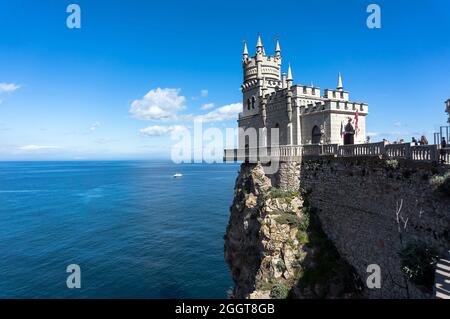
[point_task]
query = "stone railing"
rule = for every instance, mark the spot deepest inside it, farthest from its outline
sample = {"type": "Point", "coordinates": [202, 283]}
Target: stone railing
{"type": "Point", "coordinates": [398, 150]}
{"type": "Point", "coordinates": [427, 153]}
{"type": "Point", "coordinates": [444, 155]}
{"type": "Point", "coordinates": [312, 150]}
{"type": "Point", "coordinates": [286, 153]}
{"type": "Point", "coordinates": [361, 149]}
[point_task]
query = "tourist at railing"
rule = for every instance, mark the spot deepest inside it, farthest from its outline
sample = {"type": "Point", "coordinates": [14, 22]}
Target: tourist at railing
{"type": "Point", "coordinates": [414, 141]}
{"type": "Point", "coordinates": [423, 140]}
{"type": "Point", "coordinates": [443, 150]}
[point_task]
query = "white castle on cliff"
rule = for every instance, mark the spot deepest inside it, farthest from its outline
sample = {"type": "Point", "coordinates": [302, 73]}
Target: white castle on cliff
{"type": "Point", "coordinates": [300, 112]}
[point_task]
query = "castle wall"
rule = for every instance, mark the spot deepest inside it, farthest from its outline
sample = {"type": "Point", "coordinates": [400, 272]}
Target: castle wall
{"type": "Point", "coordinates": [277, 116]}
{"type": "Point", "coordinates": [254, 121]}
{"type": "Point", "coordinates": [309, 121]}
{"type": "Point", "coordinates": [335, 133]}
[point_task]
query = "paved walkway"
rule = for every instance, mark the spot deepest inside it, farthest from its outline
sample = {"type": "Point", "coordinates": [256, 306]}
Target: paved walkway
{"type": "Point", "coordinates": [442, 278]}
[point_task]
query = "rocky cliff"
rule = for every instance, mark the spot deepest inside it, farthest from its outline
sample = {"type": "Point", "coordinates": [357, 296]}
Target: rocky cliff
{"type": "Point", "coordinates": [314, 229]}
{"type": "Point", "coordinates": [275, 247]}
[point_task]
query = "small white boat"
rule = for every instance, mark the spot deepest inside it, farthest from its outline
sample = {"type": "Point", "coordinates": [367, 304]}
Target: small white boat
{"type": "Point", "coordinates": [176, 175]}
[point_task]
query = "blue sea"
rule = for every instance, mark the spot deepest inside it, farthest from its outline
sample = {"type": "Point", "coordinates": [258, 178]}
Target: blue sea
{"type": "Point", "coordinates": [134, 230]}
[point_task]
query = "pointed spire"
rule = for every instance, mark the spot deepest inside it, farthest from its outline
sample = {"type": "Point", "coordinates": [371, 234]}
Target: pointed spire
{"type": "Point", "coordinates": [289, 74]}
{"type": "Point", "coordinates": [245, 53]}
{"type": "Point", "coordinates": [340, 87]}
{"type": "Point", "coordinates": [259, 42]}
{"type": "Point", "coordinates": [277, 48]}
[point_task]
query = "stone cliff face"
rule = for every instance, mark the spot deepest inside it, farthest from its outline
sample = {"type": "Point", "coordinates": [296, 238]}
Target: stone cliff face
{"type": "Point", "coordinates": [376, 210]}
{"type": "Point", "coordinates": [273, 245]}
{"type": "Point", "coordinates": [312, 229]}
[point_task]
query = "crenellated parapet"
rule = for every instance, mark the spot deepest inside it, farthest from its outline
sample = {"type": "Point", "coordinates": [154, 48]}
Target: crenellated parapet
{"type": "Point", "coordinates": [261, 65]}
{"type": "Point", "coordinates": [306, 91]}
{"type": "Point", "coordinates": [339, 106]}
{"type": "Point", "coordinates": [336, 94]}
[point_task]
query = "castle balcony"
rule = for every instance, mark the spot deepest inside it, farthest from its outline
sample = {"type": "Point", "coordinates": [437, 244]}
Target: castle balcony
{"type": "Point", "coordinates": [295, 153]}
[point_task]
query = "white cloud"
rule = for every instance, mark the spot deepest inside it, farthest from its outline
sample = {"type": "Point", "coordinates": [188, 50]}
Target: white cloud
{"type": "Point", "coordinates": [94, 126]}
{"type": "Point", "coordinates": [398, 124]}
{"type": "Point", "coordinates": [8, 87]}
{"type": "Point", "coordinates": [158, 130]}
{"type": "Point", "coordinates": [204, 93]}
{"type": "Point", "coordinates": [33, 147]}
{"type": "Point", "coordinates": [207, 106]}
{"type": "Point", "coordinates": [224, 113]}
{"type": "Point", "coordinates": [158, 104]}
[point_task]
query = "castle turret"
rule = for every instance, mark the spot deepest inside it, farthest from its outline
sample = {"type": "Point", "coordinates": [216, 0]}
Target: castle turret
{"type": "Point", "coordinates": [259, 45]}
{"type": "Point", "coordinates": [261, 66]}
{"type": "Point", "coordinates": [259, 57]}
{"type": "Point", "coordinates": [283, 81]}
{"type": "Point", "coordinates": [264, 103]}
{"type": "Point", "coordinates": [277, 49]}
{"type": "Point", "coordinates": [289, 77]}
{"type": "Point", "coordinates": [245, 53]}
{"type": "Point", "coordinates": [340, 87]}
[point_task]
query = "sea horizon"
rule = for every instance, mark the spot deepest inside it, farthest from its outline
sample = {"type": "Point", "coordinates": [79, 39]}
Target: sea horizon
{"type": "Point", "coordinates": [135, 231]}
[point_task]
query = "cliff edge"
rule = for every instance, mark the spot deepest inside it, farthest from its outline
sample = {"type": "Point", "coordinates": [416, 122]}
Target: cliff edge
{"type": "Point", "coordinates": [275, 247]}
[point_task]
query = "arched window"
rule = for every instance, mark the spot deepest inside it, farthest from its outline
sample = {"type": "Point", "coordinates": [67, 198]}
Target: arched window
{"type": "Point", "coordinates": [316, 135]}
{"type": "Point", "coordinates": [349, 137]}
{"type": "Point", "coordinates": [253, 102]}
{"type": "Point", "coordinates": [248, 104]}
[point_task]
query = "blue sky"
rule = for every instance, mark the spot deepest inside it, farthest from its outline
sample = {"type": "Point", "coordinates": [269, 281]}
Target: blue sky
{"type": "Point", "coordinates": [69, 94]}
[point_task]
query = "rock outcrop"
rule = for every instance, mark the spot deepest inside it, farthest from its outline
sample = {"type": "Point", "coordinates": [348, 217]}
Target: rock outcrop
{"type": "Point", "coordinates": [275, 248]}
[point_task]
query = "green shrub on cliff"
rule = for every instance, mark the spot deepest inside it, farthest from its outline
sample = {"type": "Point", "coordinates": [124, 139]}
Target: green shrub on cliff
{"type": "Point", "coordinates": [279, 291]}
{"type": "Point", "coordinates": [275, 192]}
{"type": "Point", "coordinates": [304, 223]}
{"type": "Point", "coordinates": [291, 220]}
{"type": "Point", "coordinates": [281, 266]}
{"type": "Point", "coordinates": [418, 263]}
{"type": "Point", "coordinates": [264, 286]}
{"type": "Point", "coordinates": [392, 164]}
{"type": "Point", "coordinates": [302, 237]}
{"type": "Point", "coordinates": [441, 183]}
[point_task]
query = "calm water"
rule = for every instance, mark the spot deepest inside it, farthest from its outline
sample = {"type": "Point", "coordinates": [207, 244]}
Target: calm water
{"type": "Point", "coordinates": [134, 230]}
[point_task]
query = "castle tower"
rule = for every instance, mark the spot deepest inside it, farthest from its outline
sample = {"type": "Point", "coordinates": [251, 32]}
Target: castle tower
{"type": "Point", "coordinates": [262, 75]}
